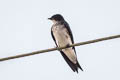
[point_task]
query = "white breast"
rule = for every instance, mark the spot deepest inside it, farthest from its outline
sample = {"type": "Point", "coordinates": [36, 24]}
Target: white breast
{"type": "Point", "coordinates": [61, 35]}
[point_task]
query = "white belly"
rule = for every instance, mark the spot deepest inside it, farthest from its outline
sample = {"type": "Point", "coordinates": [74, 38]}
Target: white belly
{"type": "Point", "coordinates": [62, 39]}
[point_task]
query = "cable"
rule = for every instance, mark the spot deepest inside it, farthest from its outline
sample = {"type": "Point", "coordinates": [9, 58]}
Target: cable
{"type": "Point", "coordinates": [53, 49]}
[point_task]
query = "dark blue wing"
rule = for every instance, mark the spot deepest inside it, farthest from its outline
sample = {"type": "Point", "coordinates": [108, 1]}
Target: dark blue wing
{"type": "Point", "coordinates": [70, 33]}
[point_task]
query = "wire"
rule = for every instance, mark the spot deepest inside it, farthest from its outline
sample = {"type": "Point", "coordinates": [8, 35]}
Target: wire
{"type": "Point", "coordinates": [53, 49]}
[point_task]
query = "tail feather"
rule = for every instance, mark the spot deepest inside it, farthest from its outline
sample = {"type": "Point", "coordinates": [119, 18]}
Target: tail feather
{"type": "Point", "coordinates": [73, 66]}
{"type": "Point", "coordinates": [79, 66]}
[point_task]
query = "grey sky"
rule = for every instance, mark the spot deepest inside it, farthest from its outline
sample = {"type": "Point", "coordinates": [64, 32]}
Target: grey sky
{"type": "Point", "coordinates": [24, 28]}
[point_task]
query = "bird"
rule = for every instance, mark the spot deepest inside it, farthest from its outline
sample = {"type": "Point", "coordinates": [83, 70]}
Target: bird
{"type": "Point", "coordinates": [62, 36]}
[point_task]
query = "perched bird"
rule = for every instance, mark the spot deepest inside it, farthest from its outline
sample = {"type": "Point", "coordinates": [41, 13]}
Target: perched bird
{"type": "Point", "coordinates": [62, 35]}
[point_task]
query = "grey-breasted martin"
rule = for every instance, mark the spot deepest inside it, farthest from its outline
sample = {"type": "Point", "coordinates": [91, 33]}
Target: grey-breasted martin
{"type": "Point", "coordinates": [62, 35]}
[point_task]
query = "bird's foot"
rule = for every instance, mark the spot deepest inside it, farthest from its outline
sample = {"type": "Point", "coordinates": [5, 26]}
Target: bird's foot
{"type": "Point", "coordinates": [68, 45]}
{"type": "Point", "coordinates": [58, 49]}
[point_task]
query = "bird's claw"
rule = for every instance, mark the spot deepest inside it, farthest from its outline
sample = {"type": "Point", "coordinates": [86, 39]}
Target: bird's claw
{"type": "Point", "coordinates": [67, 46]}
{"type": "Point", "coordinates": [58, 48]}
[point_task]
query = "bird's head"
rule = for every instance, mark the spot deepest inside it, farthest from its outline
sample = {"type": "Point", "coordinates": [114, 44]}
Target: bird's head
{"type": "Point", "coordinates": [56, 17]}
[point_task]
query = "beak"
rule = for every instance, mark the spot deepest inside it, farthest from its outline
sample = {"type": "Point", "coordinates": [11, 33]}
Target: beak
{"type": "Point", "coordinates": [49, 18]}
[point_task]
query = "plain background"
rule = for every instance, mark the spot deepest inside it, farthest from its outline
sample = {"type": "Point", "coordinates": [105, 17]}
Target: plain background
{"type": "Point", "coordinates": [24, 28]}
